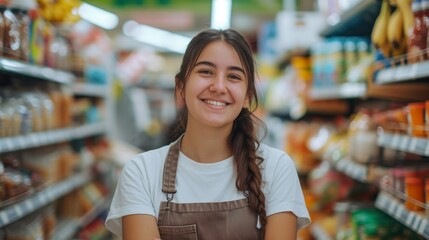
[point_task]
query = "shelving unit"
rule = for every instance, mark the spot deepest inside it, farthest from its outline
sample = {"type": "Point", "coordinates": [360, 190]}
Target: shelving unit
{"type": "Point", "coordinates": [38, 139]}
{"type": "Point", "coordinates": [16, 211]}
{"type": "Point", "coordinates": [415, 221]}
{"type": "Point", "coordinates": [404, 143]}
{"type": "Point", "coordinates": [352, 169]}
{"type": "Point", "coordinates": [343, 91]}
{"type": "Point", "coordinates": [17, 68]}
{"type": "Point", "coordinates": [89, 90]}
{"type": "Point", "coordinates": [19, 207]}
{"type": "Point", "coordinates": [405, 73]}
{"type": "Point", "coordinates": [404, 83]}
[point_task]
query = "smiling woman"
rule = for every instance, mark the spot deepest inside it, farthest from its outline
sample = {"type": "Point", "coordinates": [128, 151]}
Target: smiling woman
{"type": "Point", "coordinates": [216, 181]}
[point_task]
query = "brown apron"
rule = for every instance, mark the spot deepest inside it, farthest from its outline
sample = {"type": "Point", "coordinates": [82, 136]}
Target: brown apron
{"type": "Point", "coordinates": [202, 221]}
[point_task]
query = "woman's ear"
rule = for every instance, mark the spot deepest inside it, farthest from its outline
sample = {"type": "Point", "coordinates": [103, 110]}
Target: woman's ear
{"type": "Point", "coordinates": [246, 103]}
{"type": "Point", "coordinates": [180, 97]}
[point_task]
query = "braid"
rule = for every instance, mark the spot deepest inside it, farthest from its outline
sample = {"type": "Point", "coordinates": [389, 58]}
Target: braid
{"type": "Point", "coordinates": [249, 178]}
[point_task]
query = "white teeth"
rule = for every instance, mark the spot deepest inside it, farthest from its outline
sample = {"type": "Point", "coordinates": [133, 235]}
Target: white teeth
{"type": "Point", "coordinates": [216, 103]}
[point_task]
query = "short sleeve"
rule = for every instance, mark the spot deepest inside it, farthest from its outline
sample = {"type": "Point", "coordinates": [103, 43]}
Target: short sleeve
{"type": "Point", "coordinates": [284, 193]}
{"type": "Point", "coordinates": [131, 196]}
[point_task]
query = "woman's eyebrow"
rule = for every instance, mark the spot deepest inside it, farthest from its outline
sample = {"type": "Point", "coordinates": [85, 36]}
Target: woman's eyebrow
{"type": "Point", "coordinates": [214, 65]}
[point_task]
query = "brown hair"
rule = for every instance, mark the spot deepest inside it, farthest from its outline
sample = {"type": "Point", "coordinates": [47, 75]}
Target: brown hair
{"type": "Point", "coordinates": [243, 139]}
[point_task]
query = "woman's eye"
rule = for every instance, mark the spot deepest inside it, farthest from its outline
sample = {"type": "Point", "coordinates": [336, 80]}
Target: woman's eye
{"type": "Point", "coordinates": [205, 72]}
{"type": "Point", "coordinates": [234, 77]}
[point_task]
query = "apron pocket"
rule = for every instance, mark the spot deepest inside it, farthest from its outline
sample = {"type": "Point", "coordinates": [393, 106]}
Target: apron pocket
{"type": "Point", "coordinates": [183, 232]}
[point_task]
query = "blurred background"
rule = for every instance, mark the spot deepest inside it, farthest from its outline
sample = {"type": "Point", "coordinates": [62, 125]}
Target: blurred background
{"type": "Point", "coordinates": [343, 84]}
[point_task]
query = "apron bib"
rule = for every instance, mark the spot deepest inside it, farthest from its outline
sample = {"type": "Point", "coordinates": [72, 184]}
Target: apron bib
{"type": "Point", "coordinates": [202, 221]}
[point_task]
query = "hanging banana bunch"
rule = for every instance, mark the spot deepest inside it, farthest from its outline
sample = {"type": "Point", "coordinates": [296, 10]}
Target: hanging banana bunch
{"type": "Point", "coordinates": [379, 32]}
{"type": "Point", "coordinates": [59, 11]}
{"type": "Point", "coordinates": [396, 34]}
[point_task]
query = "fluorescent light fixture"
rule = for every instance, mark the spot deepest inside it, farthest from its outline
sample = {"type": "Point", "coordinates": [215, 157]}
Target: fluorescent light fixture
{"type": "Point", "coordinates": [156, 37]}
{"type": "Point", "coordinates": [98, 16]}
{"type": "Point", "coordinates": [221, 14]}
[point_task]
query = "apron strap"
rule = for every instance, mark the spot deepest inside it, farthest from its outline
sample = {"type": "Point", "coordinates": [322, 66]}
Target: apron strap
{"type": "Point", "coordinates": [170, 168]}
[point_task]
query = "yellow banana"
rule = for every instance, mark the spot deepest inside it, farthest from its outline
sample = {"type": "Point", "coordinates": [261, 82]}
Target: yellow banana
{"type": "Point", "coordinates": [407, 14]}
{"type": "Point", "coordinates": [379, 31]}
{"type": "Point", "coordinates": [395, 31]}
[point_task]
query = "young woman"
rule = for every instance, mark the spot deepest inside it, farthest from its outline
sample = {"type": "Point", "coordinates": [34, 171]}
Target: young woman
{"type": "Point", "coordinates": [216, 181]}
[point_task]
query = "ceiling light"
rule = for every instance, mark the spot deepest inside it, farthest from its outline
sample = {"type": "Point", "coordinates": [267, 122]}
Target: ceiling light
{"type": "Point", "coordinates": [98, 16]}
{"type": "Point", "coordinates": [156, 37]}
{"type": "Point", "coordinates": [221, 14]}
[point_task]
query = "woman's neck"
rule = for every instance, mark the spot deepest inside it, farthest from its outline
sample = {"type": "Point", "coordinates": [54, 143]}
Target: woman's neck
{"type": "Point", "coordinates": [206, 146]}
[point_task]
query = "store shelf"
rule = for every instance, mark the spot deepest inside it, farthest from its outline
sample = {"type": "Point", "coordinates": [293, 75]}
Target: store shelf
{"type": "Point", "coordinates": [403, 73]}
{"type": "Point", "coordinates": [16, 211]}
{"type": "Point", "coordinates": [343, 91]}
{"type": "Point", "coordinates": [404, 143]}
{"type": "Point", "coordinates": [357, 21]}
{"type": "Point", "coordinates": [40, 72]}
{"type": "Point", "coordinates": [352, 169]}
{"type": "Point", "coordinates": [67, 228]}
{"type": "Point", "coordinates": [90, 90]}
{"type": "Point", "coordinates": [38, 139]}
{"type": "Point", "coordinates": [413, 220]}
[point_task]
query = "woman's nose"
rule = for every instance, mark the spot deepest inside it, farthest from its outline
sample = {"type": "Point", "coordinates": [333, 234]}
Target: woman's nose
{"type": "Point", "coordinates": [219, 84]}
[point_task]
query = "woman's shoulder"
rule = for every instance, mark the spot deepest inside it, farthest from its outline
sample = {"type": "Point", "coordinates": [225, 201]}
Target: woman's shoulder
{"type": "Point", "coordinates": [274, 158]}
{"type": "Point", "coordinates": [271, 153]}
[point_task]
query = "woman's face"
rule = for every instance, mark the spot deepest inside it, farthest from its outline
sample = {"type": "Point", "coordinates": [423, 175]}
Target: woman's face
{"type": "Point", "coordinates": [215, 91]}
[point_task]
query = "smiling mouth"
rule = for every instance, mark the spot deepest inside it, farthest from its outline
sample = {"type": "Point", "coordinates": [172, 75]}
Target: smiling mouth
{"type": "Point", "coordinates": [215, 103]}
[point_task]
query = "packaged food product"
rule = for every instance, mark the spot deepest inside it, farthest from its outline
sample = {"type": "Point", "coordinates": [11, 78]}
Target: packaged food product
{"type": "Point", "coordinates": [427, 118]}
{"type": "Point", "coordinates": [362, 138]}
{"type": "Point", "coordinates": [12, 42]}
{"type": "Point", "coordinates": [417, 37]}
{"type": "Point", "coordinates": [416, 119]}
{"type": "Point", "coordinates": [414, 189]}
{"type": "Point", "coordinates": [24, 20]}
{"type": "Point", "coordinates": [2, 28]}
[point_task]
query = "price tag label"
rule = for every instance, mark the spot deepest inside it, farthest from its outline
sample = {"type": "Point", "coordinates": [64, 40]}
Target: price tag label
{"type": "Point", "coordinates": [424, 228]}
{"type": "Point", "coordinates": [42, 198]}
{"type": "Point", "coordinates": [29, 204]}
{"type": "Point", "coordinates": [4, 218]}
{"type": "Point", "coordinates": [411, 218]}
{"type": "Point", "coordinates": [427, 150]}
{"type": "Point", "coordinates": [392, 207]}
{"type": "Point", "coordinates": [12, 214]}
{"type": "Point", "coordinates": [50, 194]}
{"type": "Point", "coordinates": [8, 145]}
{"type": "Point", "coordinates": [395, 141]}
{"type": "Point", "coordinates": [416, 224]}
{"type": "Point", "coordinates": [421, 145]}
{"type": "Point", "coordinates": [404, 143]}
{"type": "Point", "coordinates": [412, 145]}
{"type": "Point", "coordinates": [18, 210]}
{"type": "Point", "coordinates": [34, 140]}
{"type": "Point", "coordinates": [21, 142]}
{"type": "Point", "coordinates": [402, 214]}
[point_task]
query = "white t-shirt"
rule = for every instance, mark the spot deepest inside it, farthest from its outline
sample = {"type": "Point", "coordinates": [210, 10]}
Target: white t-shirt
{"type": "Point", "coordinates": [139, 189]}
